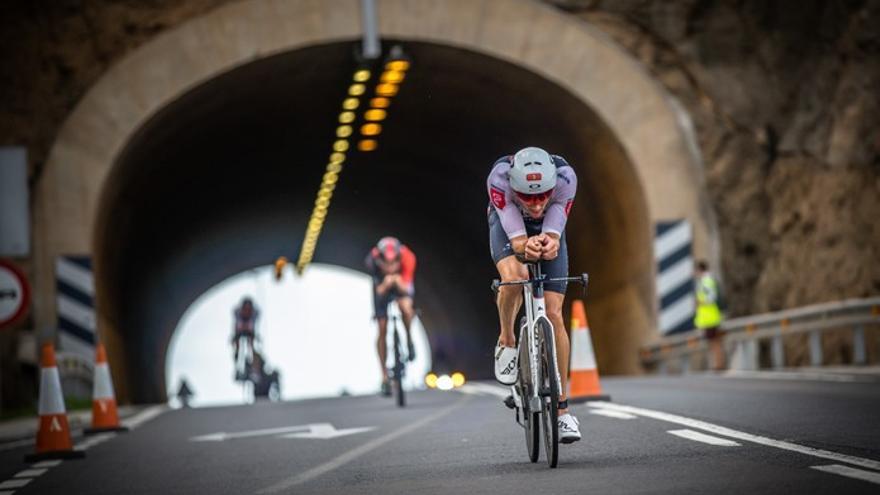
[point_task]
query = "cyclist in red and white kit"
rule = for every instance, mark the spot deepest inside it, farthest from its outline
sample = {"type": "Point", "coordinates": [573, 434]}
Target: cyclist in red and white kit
{"type": "Point", "coordinates": [393, 267]}
{"type": "Point", "coordinates": [530, 195]}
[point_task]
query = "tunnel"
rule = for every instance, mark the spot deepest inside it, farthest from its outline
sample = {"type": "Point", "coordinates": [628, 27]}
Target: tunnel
{"type": "Point", "coordinates": [223, 179]}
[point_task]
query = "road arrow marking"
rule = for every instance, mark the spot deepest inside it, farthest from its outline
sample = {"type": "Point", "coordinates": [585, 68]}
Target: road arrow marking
{"type": "Point", "coordinates": [326, 430]}
{"type": "Point", "coordinates": [317, 430]}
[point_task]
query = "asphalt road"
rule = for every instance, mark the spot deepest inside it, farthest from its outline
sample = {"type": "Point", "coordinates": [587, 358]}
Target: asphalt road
{"type": "Point", "coordinates": [696, 434]}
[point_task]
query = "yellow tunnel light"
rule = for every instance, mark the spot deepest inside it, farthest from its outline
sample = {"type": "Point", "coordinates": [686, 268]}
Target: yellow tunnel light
{"type": "Point", "coordinates": [361, 75]}
{"type": "Point", "coordinates": [386, 89]}
{"type": "Point", "coordinates": [431, 380]}
{"type": "Point", "coordinates": [392, 76]}
{"type": "Point", "coordinates": [337, 158]}
{"type": "Point", "coordinates": [356, 89]}
{"type": "Point", "coordinates": [343, 131]}
{"type": "Point", "coordinates": [371, 129]}
{"type": "Point", "coordinates": [458, 379]}
{"type": "Point", "coordinates": [350, 103]}
{"type": "Point", "coordinates": [346, 117]}
{"type": "Point", "coordinates": [374, 114]}
{"type": "Point", "coordinates": [340, 145]}
{"type": "Point", "coordinates": [368, 145]}
{"type": "Point", "coordinates": [331, 178]}
{"type": "Point", "coordinates": [380, 102]}
{"type": "Point", "coordinates": [334, 167]}
{"type": "Point", "coordinates": [397, 65]}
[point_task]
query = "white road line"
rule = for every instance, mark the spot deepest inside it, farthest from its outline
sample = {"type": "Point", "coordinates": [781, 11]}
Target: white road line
{"type": "Point", "coordinates": [739, 435]}
{"type": "Point", "coordinates": [702, 437]}
{"type": "Point", "coordinates": [850, 472]}
{"type": "Point", "coordinates": [30, 473]}
{"type": "Point", "coordinates": [798, 375]}
{"type": "Point", "coordinates": [359, 451]}
{"type": "Point", "coordinates": [145, 415]}
{"type": "Point", "coordinates": [484, 388]}
{"type": "Point", "coordinates": [16, 444]}
{"type": "Point", "coordinates": [94, 440]}
{"type": "Point", "coordinates": [15, 483]}
{"type": "Point", "coordinates": [7, 492]}
{"type": "Point", "coordinates": [47, 464]}
{"type": "Point", "coordinates": [612, 414]}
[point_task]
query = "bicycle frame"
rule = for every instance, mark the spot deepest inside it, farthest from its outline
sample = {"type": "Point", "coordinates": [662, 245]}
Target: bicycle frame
{"type": "Point", "coordinates": [535, 309]}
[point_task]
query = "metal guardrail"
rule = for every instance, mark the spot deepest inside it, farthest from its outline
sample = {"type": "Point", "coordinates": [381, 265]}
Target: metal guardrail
{"type": "Point", "coordinates": [742, 335]}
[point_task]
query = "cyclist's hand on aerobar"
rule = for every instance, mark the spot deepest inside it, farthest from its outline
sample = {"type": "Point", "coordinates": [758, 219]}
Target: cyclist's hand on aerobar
{"type": "Point", "coordinates": [549, 246]}
{"type": "Point", "coordinates": [533, 248]}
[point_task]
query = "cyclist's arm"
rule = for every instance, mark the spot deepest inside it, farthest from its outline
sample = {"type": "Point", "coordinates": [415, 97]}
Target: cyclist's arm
{"type": "Point", "coordinates": [560, 206]}
{"type": "Point", "coordinates": [501, 199]}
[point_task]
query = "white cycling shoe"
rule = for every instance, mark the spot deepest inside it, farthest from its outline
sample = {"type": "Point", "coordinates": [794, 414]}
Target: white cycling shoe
{"type": "Point", "coordinates": [505, 364]}
{"type": "Point", "coordinates": [568, 428]}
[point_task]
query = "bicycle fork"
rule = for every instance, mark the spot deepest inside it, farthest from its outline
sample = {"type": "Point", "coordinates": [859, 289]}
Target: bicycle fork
{"type": "Point", "coordinates": [534, 309]}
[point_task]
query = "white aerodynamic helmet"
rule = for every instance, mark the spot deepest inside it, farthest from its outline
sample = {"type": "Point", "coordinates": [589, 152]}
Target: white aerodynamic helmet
{"type": "Point", "coordinates": [532, 171]}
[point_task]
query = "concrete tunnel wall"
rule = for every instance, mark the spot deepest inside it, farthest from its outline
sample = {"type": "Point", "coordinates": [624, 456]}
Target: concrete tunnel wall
{"type": "Point", "coordinates": [219, 176]}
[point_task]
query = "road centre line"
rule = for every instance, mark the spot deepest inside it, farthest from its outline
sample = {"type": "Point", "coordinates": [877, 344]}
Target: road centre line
{"type": "Point", "coordinates": [739, 435]}
{"type": "Point", "coordinates": [702, 437]}
{"type": "Point", "coordinates": [850, 472]}
{"type": "Point", "coordinates": [360, 450]}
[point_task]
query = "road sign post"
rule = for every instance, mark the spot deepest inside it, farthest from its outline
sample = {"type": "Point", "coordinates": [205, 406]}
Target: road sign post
{"type": "Point", "coordinates": [15, 294]}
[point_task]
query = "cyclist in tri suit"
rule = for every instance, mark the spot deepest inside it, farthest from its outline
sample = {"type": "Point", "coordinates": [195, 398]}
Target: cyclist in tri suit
{"type": "Point", "coordinates": [245, 323]}
{"type": "Point", "coordinates": [393, 267]}
{"type": "Point", "coordinates": [530, 196]}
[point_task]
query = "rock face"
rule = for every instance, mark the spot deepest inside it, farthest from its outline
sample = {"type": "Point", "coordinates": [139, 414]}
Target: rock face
{"type": "Point", "coordinates": [785, 97]}
{"type": "Point", "coordinates": [786, 100]}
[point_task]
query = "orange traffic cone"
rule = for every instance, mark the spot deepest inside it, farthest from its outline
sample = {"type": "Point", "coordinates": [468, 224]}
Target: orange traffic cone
{"type": "Point", "coordinates": [53, 436]}
{"type": "Point", "coordinates": [584, 377]}
{"type": "Point", "coordinates": [105, 417]}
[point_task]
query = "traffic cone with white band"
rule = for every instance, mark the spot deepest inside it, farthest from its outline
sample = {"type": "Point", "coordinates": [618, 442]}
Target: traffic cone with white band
{"type": "Point", "coordinates": [105, 416]}
{"type": "Point", "coordinates": [584, 377]}
{"type": "Point", "coordinates": [53, 436]}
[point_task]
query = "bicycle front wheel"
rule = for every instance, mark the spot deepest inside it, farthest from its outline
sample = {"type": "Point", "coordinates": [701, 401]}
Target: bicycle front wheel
{"type": "Point", "coordinates": [549, 392]}
{"type": "Point", "coordinates": [531, 421]}
{"type": "Point", "coordinates": [397, 380]}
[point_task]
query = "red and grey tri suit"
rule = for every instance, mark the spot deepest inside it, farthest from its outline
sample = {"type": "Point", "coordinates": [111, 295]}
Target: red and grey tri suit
{"type": "Point", "coordinates": [407, 276]}
{"type": "Point", "coordinates": [507, 219]}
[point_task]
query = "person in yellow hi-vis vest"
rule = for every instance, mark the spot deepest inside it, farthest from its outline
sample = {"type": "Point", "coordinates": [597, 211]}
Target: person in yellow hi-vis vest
{"type": "Point", "coordinates": [708, 317]}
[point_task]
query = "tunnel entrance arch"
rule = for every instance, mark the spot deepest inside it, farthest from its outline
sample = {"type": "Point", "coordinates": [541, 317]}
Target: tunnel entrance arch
{"type": "Point", "coordinates": [634, 155]}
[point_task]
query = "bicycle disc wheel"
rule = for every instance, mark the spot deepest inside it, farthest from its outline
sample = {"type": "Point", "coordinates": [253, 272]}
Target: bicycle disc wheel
{"type": "Point", "coordinates": [549, 394]}
{"type": "Point", "coordinates": [530, 419]}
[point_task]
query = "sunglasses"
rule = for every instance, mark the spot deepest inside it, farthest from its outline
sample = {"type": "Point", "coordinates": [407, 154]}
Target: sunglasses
{"type": "Point", "coordinates": [534, 198]}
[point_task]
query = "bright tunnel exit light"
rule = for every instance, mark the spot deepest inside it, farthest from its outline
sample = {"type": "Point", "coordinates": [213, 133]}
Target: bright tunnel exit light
{"type": "Point", "coordinates": [444, 382]}
{"type": "Point", "coordinates": [294, 317]}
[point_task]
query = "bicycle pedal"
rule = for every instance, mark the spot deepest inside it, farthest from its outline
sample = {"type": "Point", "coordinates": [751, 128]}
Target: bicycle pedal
{"type": "Point", "coordinates": [510, 402]}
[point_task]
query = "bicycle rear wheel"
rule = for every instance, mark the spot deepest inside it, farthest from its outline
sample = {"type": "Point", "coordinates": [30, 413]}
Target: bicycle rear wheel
{"type": "Point", "coordinates": [531, 421]}
{"type": "Point", "coordinates": [549, 393]}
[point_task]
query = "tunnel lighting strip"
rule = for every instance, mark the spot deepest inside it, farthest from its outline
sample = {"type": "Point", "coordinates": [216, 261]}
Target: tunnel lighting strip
{"type": "Point", "coordinates": [334, 166]}
{"type": "Point", "coordinates": [387, 87]}
{"type": "Point", "coordinates": [389, 84]}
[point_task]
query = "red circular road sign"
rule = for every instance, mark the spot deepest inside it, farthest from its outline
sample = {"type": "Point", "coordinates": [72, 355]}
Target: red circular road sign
{"type": "Point", "coordinates": [15, 294]}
